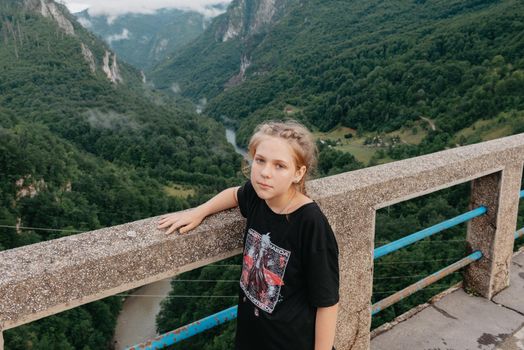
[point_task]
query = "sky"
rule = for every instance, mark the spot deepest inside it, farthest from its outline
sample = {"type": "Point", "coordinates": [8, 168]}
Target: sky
{"type": "Point", "coordinates": [114, 8]}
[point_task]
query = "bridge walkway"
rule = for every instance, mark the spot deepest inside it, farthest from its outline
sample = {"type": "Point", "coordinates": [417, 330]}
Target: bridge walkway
{"type": "Point", "coordinates": [456, 320]}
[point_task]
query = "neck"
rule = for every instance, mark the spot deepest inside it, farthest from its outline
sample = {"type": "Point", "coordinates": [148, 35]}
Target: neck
{"type": "Point", "coordinates": [282, 204]}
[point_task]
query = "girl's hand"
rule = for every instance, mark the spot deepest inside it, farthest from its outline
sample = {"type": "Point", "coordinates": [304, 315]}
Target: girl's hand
{"type": "Point", "coordinates": [189, 219]}
{"type": "Point", "coordinates": [182, 220]}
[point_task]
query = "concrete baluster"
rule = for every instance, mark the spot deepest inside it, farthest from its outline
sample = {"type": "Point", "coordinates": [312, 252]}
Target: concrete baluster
{"type": "Point", "coordinates": [354, 227]}
{"type": "Point", "coordinates": [493, 233]}
{"type": "Point", "coordinates": [1, 340]}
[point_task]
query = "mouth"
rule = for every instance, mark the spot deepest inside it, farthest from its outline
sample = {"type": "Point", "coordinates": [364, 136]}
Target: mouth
{"type": "Point", "coordinates": [263, 185]}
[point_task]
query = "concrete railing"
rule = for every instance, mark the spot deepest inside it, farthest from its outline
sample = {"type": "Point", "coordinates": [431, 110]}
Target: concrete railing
{"type": "Point", "coordinates": [53, 276]}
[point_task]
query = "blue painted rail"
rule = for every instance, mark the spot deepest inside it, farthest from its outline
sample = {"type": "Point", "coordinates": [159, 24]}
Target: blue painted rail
{"type": "Point", "coordinates": [199, 326]}
{"type": "Point", "coordinates": [520, 233]}
{"type": "Point", "coordinates": [417, 236]}
{"type": "Point", "coordinates": [423, 283]}
{"type": "Point", "coordinates": [187, 331]}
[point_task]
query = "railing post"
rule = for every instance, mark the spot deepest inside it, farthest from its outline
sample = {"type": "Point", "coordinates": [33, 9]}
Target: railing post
{"type": "Point", "coordinates": [354, 226]}
{"type": "Point", "coordinates": [1, 340]}
{"type": "Point", "coordinates": [493, 233]}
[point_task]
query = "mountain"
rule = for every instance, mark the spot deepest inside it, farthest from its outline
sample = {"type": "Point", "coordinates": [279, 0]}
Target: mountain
{"type": "Point", "coordinates": [84, 144]}
{"type": "Point", "coordinates": [370, 66]}
{"type": "Point", "coordinates": [144, 40]}
{"type": "Point", "coordinates": [78, 88]}
{"type": "Point", "coordinates": [221, 55]}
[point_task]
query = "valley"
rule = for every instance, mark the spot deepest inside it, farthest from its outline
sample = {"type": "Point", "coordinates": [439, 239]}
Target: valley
{"type": "Point", "coordinates": [106, 120]}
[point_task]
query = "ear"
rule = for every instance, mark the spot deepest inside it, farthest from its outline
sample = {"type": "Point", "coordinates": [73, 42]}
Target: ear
{"type": "Point", "coordinates": [299, 174]}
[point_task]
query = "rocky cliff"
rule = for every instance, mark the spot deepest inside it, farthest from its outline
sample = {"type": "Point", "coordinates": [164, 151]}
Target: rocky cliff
{"type": "Point", "coordinates": [67, 23]}
{"type": "Point", "coordinates": [248, 17]}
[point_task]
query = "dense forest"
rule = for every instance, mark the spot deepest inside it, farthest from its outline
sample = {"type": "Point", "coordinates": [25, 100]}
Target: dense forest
{"type": "Point", "coordinates": [121, 123]}
{"type": "Point", "coordinates": [370, 66]}
{"type": "Point", "coordinates": [79, 152]}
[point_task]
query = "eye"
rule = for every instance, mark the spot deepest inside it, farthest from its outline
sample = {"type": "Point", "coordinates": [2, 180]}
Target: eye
{"type": "Point", "coordinates": [259, 160]}
{"type": "Point", "coordinates": [280, 166]}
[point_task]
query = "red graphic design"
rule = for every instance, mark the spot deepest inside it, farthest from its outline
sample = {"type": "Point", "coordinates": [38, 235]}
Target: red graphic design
{"type": "Point", "coordinates": [263, 269]}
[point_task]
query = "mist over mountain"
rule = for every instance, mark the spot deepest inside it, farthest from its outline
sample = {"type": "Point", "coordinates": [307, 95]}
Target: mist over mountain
{"type": "Point", "coordinates": [220, 56]}
{"type": "Point", "coordinates": [144, 40]}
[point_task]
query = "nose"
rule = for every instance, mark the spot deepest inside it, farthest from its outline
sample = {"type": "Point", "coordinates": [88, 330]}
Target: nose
{"type": "Point", "coordinates": [265, 171]}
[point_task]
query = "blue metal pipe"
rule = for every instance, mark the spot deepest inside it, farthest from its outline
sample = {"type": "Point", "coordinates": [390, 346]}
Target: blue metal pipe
{"type": "Point", "coordinates": [187, 331]}
{"type": "Point", "coordinates": [417, 236]}
{"type": "Point", "coordinates": [519, 233]}
{"type": "Point", "coordinates": [423, 283]}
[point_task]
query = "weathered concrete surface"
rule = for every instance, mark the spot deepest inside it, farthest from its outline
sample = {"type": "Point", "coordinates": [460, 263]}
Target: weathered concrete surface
{"type": "Point", "coordinates": [493, 233]}
{"type": "Point", "coordinates": [460, 321]}
{"type": "Point", "coordinates": [514, 342]}
{"type": "Point", "coordinates": [514, 297]}
{"type": "Point", "coordinates": [45, 278]}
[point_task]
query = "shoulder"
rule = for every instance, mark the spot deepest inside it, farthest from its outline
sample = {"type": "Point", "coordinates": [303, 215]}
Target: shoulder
{"type": "Point", "coordinates": [246, 185]}
{"type": "Point", "coordinates": [311, 213]}
{"type": "Point", "coordinates": [247, 198]}
{"type": "Point", "coordinates": [313, 222]}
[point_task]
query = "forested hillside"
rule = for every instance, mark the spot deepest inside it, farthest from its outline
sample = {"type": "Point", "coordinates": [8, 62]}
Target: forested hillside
{"type": "Point", "coordinates": [46, 79]}
{"type": "Point", "coordinates": [84, 145]}
{"type": "Point", "coordinates": [220, 56]}
{"type": "Point", "coordinates": [367, 65]}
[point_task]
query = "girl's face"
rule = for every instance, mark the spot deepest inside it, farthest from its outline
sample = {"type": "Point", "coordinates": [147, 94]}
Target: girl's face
{"type": "Point", "coordinates": [274, 171]}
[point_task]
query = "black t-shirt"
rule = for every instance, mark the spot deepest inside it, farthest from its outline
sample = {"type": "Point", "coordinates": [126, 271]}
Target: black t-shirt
{"type": "Point", "coordinates": [290, 267]}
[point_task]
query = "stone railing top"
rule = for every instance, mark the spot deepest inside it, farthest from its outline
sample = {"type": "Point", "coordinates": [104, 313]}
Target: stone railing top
{"type": "Point", "coordinates": [44, 278]}
{"type": "Point", "coordinates": [389, 183]}
{"type": "Point", "coordinates": [49, 277]}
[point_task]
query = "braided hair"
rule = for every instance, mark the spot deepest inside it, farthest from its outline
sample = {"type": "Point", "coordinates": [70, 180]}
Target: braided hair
{"type": "Point", "coordinates": [299, 138]}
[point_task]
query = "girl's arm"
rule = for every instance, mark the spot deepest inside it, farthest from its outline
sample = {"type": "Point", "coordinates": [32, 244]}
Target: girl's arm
{"type": "Point", "coordinates": [325, 325]}
{"type": "Point", "coordinates": [189, 219]}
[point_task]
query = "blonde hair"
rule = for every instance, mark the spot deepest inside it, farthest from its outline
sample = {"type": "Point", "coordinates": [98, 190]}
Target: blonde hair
{"type": "Point", "coordinates": [299, 138]}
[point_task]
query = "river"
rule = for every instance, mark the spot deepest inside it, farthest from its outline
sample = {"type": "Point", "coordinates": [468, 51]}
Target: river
{"type": "Point", "coordinates": [136, 322]}
{"type": "Point", "coordinates": [232, 139]}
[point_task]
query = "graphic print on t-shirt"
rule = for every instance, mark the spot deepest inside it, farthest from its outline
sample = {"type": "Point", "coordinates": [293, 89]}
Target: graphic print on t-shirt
{"type": "Point", "coordinates": [263, 270]}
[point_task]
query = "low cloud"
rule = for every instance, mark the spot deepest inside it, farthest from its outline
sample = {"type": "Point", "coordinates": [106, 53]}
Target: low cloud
{"type": "Point", "coordinates": [118, 37]}
{"type": "Point", "coordinates": [175, 87]}
{"type": "Point", "coordinates": [110, 120]}
{"type": "Point", "coordinates": [74, 6]}
{"type": "Point", "coordinates": [201, 105]}
{"type": "Point", "coordinates": [209, 8]}
{"type": "Point", "coordinates": [84, 22]}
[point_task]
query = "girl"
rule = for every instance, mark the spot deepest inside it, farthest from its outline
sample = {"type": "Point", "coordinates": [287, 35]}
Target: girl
{"type": "Point", "coordinates": [289, 281]}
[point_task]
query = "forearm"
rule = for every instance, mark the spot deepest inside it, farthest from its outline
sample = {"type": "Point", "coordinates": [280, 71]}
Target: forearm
{"type": "Point", "coordinates": [185, 221]}
{"type": "Point", "coordinates": [325, 325]}
{"type": "Point", "coordinates": [224, 200]}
